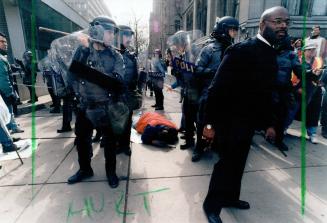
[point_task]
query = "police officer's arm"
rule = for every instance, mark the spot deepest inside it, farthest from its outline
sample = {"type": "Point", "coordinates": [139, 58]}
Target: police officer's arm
{"type": "Point", "coordinates": [202, 62]}
{"type": "Point", "coordinates": [5, 84]}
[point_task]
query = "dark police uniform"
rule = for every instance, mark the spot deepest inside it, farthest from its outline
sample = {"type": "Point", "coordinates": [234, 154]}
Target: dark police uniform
{"type": "Point", "coordinates": [94, 102]}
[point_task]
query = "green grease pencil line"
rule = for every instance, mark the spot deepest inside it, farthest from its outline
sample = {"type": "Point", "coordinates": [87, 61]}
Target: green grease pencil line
{"type": "Point", "coordinates": [303, 115]}
{"type": "Point", "coordinates": [33, 44]}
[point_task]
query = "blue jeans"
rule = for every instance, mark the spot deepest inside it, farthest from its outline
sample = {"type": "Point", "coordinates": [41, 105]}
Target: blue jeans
{"type": "Point", "coordinates": [5, 138]}
{"type": "Point", "coordinates": [12, 125]}
{"type": "Point", "coordinates": [311, 130]}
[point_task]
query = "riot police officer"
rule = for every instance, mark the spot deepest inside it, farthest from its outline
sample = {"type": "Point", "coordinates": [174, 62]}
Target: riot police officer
{"type": "Point", "coordinates": [157, 76]}
{"type": "Point", "coordinates": [131, 83]}
{"type": "Point", "coordinates": [98, 98]}
{"type": "Point", "coordinates": [208, 61]}
{"type": "Point", "coordinates": [180, 44]}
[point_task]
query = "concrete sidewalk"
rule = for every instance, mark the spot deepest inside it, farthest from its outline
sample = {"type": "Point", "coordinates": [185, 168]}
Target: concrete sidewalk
{"type": "Point", "coordinates": [157, 185]}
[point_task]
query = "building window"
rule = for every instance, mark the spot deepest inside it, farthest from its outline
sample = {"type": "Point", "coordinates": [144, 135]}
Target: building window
{"type": "Point", "coordinates": [177, 25]}
{"type": "Point", "coordinates": [319, 7]}
{"type": "Point", "coordinates": [293, 6]}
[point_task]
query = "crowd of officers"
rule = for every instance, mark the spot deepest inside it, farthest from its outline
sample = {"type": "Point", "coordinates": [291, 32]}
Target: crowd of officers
{"type": "Point", "coordinates": [234, 90]}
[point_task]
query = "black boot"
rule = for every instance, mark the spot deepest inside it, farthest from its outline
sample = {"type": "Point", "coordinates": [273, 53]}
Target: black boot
{"type": "Point", "coordinates": [64, 129]}
{"type": "Point", "coordinates": [113, 180]}
{"type": "Point", "coordinates": [188, 144]}
{"type": "Point", "coordinates": [80, 175]}
{"type": "Point", "coordinates": [196, 156]}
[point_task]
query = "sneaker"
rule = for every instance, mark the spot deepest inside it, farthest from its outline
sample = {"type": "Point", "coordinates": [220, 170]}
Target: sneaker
{"type": "Point", "coordinates": [313, 139]}
{"type": "Point", "coordinates": [113, 180]}
{"type": "Point", "coordinates": [17, 130]}
{"type": "Point", "coordinates": [11, 148]}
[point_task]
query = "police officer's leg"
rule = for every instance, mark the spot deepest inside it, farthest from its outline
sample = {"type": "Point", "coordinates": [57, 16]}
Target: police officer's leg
{"type": "Point", "coordinates": [125, 139]}
{"type": "Point", "coordinates": [189, 125]}
{"type": "Point", "coordinates": [200, 143]}
{"type": "Point", "coordinates": [110, 142]}
{"type": "Point", "coordinates": [67, 114]}
{"type": "Point", "coordinates": [225, 184]}
{"type": "Point", "coordinates": [83, 132]}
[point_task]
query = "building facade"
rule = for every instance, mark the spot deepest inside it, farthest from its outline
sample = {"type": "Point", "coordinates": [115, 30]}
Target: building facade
{"type": "Point", "coordinates": [165, 19]}
{"type": "Point", "coordinates": [15, 22]}
{"type": "Point", "coordinates": [89, 9]}
{"type": "Point", "coordinates": [202, 14]}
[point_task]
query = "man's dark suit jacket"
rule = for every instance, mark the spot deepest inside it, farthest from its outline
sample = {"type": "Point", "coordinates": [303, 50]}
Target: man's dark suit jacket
{"type": "Point", "coordinates": [242, 87]}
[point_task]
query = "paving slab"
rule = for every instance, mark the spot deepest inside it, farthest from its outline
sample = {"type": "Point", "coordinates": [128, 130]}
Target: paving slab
{"type": "Point", "coordinates": [49, 155]}
{"type": "Point", "coordinates": [84, 202]}
{"type": "Point", "coordinates": [274, 196]}
{"type": "Point", "coordinates": [14, 200]}
{"type": "Point", "coordinates": [169, 200]}
{"type": "Point", "coordinates": [70, 166]}
{"type": "Point", "coordinates": [152, 162]}
{"type": "Point", "coordinates": [316, 181]}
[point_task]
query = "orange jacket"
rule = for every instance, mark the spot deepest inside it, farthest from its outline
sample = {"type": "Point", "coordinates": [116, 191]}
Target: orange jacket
{"type": "Point", "coordinates": [153, 119]}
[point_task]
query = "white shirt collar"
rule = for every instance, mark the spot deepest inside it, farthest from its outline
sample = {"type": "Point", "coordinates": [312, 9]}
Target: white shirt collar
{"type": "Point", "coordinates": [260, 37]}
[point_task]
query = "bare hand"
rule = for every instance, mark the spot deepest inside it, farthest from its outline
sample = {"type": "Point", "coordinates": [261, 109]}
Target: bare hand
{"type": "Point", "coordinates": [317, 71]}
{"type": "Point", "coordinates": [169, 88]}
{"type": "Point", "coordinates": [208, 135]}
{"type": "Point", "coordinates": [270, 133]}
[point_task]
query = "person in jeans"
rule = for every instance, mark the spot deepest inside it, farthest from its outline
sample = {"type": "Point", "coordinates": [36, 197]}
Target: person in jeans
{"type": "Point", "coordinates": [6, 84]}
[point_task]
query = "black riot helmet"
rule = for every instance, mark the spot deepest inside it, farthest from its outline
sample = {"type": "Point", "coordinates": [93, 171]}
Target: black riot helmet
{"type": "Point", "coordinates": [99, 25]}
{"type": "Point", "coordinates": [222, 26]}
{"type": "Point", "coordinates": [180, 38]}
{"type": "Point", "coordinates": [125, 30]}
{"type": "Point", "coordinates": [128, 33]}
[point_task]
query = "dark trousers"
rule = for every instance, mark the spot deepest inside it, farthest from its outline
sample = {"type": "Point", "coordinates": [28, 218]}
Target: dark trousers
{"type": "Point", "coordinates": [30, 89]}
{"type": "Point", "coordinates": [54, 98]}
{"type": "Point", "coordinates": [323, 118]}
{"type": "Point", "coordinates": [190, 116]}
{"type": "Point", "coordinates": [125, 139]}
{"type": "Point", "coordinates": [313, 109]}
{"type": "Point", "coordinates": [225, 183]}
{"type": "Point", "coordinates": [159, 96]}
{"type": "Point", "coordinates": [283, 103]}
{"type": "Point", "coordinates": [83, 131]}
{"type": "Point", "coordinates": [67, 111]}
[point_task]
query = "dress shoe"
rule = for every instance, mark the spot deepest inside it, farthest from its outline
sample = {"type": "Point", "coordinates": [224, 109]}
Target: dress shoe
{"type": "Point", "coordinates": [196, 156]}
{"type": "Point", "coordinates": [64, 129]}
{"type": "Point", "coordinates": [282, 146]}
{"type": "Point", "coordinates": [17, 130]}
{"type": "Point", "coordinates": [213, 217]}
{"type": "Point", "coordinates": [153, 106]}
{"type": "Point", "coordinates": [237, 204]}
{"type": "Point", "coordinates": [113, 180]}
{"type": "Point", "coordinates": [159, 108]}
{"type": "Point", "coordinates": [11, 148]}
{"type": "Point", "coordinates": [80, 175]}
{"type": "Point", "coordinates": [187, 145]}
